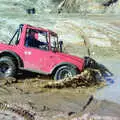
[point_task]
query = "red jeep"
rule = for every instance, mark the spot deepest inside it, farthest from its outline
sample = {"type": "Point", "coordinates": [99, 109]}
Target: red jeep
{"type": "Point", "coordinates": [40, 52]}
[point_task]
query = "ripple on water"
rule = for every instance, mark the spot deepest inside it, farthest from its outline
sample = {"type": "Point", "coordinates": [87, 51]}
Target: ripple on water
{"type": "Point", "coordinates": [111, 92]}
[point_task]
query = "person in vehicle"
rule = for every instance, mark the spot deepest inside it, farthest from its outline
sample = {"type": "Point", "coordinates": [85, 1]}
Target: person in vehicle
{"type": "Point", "coordinates": [31, 41]}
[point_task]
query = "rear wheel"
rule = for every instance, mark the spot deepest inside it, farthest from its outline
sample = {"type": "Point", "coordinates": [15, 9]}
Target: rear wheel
{"type": "Point", "coordinates": [64, 72]}
{"type": "Point", "coordinates": [7, 67]}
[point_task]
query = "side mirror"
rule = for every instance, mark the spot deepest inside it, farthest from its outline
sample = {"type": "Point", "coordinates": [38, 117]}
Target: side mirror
{"type": "Point", "coordinates": [61, 44]}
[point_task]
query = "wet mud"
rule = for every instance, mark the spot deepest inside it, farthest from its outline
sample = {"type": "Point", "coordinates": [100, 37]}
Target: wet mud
{"type": "Point", "coordinates": [25, 99]}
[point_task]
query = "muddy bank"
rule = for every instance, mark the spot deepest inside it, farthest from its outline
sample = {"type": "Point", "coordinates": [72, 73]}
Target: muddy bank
{"type": "Point", "coordinates": [98, 53]}
{"type": "Point", "coordinates": [59, 104]}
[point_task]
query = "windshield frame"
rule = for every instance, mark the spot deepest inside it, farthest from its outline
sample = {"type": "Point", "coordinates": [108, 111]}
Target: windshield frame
{"type": "Point", "coordinates": [56, 49]}
{"type": "Point", "coordinates": [18, 31]}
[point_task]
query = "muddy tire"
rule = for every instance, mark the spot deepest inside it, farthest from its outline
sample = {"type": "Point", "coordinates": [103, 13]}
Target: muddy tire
{"type": "Point", "coordinates": [7, 67]}
{"type": "Point", "coordinates": [64, 72]}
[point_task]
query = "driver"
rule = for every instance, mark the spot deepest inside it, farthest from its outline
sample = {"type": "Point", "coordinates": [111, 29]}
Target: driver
{"type": "Point", "coordinates": [31, 41]}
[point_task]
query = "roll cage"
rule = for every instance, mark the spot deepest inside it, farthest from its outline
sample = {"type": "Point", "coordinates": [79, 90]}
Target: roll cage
{"type": "Point", "coordinates": [51, 37]}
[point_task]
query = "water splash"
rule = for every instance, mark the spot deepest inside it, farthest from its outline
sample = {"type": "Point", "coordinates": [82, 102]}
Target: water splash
{"type": "Point", "coordinates": [109, 79]}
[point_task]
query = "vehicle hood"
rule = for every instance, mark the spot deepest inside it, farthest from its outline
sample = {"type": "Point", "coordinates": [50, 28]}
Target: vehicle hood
{"type": "Point", "coordinates": [70, 57]}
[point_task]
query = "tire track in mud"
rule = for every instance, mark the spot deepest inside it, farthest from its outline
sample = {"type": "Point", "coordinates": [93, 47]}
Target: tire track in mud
{"type": "Point", "coordinates": [21, 112]}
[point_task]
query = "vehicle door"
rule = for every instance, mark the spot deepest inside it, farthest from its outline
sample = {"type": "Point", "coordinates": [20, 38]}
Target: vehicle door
{"type": "Point", "coordinates": [38, 56]}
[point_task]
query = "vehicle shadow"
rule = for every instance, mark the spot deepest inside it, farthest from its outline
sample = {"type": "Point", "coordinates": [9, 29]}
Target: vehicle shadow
{"type": "Point", "coordinates": [24, 74]}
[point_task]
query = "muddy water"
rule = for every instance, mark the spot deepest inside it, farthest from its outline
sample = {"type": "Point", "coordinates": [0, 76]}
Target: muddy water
{"type": "Point", "coordinates": [112, 91]}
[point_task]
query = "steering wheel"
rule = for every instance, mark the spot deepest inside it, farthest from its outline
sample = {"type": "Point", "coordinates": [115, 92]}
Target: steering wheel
{"type": "Point", "coordinates": [43, 47]}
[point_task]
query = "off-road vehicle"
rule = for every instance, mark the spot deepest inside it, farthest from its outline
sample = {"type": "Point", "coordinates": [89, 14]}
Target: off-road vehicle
{"type": "Point", "coordinates": [46, 58]}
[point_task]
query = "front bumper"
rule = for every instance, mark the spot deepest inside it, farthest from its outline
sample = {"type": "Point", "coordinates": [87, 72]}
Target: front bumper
{"type": "Point", "coordinates": [90, 63]}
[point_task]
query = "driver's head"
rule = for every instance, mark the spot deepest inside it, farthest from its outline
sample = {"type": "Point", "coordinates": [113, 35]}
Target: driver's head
{"type": "Point", "coordinates": [31, 33]}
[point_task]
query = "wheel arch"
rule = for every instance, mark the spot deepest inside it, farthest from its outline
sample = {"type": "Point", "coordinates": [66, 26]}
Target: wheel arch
{"type": "Point", "coordinates": [63, 64]}
{"type": "Point", "coordinates": [15, 56]}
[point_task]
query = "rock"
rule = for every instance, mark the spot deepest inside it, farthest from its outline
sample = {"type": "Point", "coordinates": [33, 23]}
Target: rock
{"type": "Point", "coordinates": [71, 113]}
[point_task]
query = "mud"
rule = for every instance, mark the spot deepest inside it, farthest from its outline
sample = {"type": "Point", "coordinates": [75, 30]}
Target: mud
{"type": "Point", "coordinates": [57, 104]}
{"type": "Point", "coordinates": [26, 98]}
{"type": "Point", "coordinates": [16, 112]}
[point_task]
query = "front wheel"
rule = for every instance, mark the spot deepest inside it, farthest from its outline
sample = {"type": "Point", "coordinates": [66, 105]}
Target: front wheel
{"type": "Point", "coordinates": [64, 72]}
{"type": "Point", "coordinates": [7, 67]}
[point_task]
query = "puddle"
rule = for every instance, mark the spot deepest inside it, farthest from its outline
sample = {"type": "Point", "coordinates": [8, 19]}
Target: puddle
{"type": "Point", "coordinates": [111, 91]}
